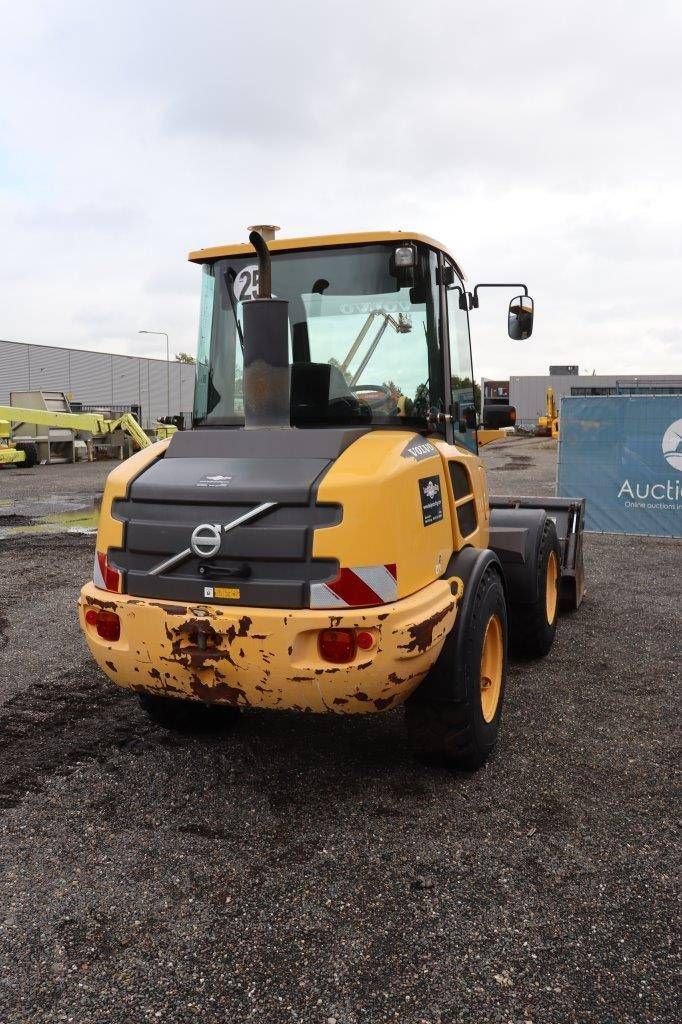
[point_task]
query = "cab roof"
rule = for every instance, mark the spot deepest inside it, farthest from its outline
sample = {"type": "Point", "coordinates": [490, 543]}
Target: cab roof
{"type": "Point", "coordinates": [321, 242]}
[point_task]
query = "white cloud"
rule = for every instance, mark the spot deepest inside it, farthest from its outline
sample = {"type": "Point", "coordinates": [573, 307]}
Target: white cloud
{"type": "Point", "coordinates": [540, 143]}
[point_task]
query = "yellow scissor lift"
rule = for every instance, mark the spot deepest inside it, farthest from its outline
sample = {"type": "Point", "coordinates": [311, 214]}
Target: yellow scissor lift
{"type": "Point", "coordinates": [25, 453]}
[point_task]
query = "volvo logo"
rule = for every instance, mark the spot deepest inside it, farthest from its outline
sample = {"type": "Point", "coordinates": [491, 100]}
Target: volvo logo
{"type": "Point", "coordinates": [205, 540]}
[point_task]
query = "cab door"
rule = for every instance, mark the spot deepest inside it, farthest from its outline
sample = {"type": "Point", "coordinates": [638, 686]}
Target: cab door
{"type": "Point", "coordinates": [461, 386]}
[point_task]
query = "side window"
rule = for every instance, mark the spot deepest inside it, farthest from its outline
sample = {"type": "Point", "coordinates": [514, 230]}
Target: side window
{"type": "Point", "coordinates": [204, 343]}
{"type": "Point", "coordinates": [461, 370]}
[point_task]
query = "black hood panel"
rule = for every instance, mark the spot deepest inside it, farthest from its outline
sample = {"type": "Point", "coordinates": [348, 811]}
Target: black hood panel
{"type": "Point", "coordinates": [216, 476]}
{"type": "Point", "coordinates": [229, 481]}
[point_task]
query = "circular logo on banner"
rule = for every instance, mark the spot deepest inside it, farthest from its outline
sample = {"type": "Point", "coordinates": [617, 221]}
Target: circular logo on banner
{"type": "Point", "coordinates": [205, 540]}
{"type": "Point", "coordinates": [672, 445]}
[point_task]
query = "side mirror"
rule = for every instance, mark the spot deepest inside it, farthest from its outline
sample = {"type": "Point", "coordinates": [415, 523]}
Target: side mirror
{"type": "Point", "coordinates": [470, 417]}
{"type": "Point", "coordinates": [520, 319]}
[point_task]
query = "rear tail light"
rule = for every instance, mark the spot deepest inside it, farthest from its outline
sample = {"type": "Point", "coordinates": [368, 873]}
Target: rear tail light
{"type": "Point", "coordinates": [337, 645]}
{"type": "Point", "coordinates": [107, 624]}
{"type": "Point", "coordinates": [341, 645]}
{"type": "Point", "coordinates": [104, 575]}
{"type": "Point", "coordinates": [365, 640]}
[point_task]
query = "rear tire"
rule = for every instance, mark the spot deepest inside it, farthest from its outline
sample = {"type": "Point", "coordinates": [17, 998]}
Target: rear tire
{"type": "Point", "coordinates": [533, 626]}
{"type": "Point", "coordinates": [188, 715]}
{"type": "Point", "coordinates": [460, 728]}
{"type": "Point", "coordinates": [30, 455]}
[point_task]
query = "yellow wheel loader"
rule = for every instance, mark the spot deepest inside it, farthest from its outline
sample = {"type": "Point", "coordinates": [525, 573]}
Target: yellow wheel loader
{"type": "Point", "coordinates": [323, 540]}
{"type": "Point", "coordinates": [548, 425]}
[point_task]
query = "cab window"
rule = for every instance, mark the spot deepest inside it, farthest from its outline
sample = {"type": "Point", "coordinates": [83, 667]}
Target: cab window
{"type": "Point", "coordinates": [461, 369]}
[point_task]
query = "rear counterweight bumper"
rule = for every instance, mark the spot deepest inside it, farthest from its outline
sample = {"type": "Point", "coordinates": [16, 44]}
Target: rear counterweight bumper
{"type": "Point", "coordinates": [268, 657]}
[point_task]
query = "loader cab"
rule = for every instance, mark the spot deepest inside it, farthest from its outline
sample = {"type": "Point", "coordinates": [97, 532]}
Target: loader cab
{"type": "Point", "coordinates": [378, 334]}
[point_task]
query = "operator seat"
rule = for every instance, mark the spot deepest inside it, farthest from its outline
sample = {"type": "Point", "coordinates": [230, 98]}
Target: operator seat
{"type": "Point", "coordinates": [319, 394]}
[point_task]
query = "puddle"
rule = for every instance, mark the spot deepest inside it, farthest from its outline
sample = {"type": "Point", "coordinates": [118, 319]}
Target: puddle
{"type": "Point", "coordinates": [517, 462]}
{"type": "Point", "coordinates": [51, 515]}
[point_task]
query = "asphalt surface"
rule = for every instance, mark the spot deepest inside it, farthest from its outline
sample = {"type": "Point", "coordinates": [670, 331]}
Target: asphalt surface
{"type": "Point", "coordinates": [302, 869]}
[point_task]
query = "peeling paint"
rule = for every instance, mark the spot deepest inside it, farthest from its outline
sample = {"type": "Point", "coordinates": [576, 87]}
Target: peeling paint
{"type": "Point", "coordinates": [212, 655]}
{"type": "Point", "coordinates": [170, 609]}
{"type": "Point", "coordinates": [421, 633]}
{"type": "Point", "coordinates": [218, 691]}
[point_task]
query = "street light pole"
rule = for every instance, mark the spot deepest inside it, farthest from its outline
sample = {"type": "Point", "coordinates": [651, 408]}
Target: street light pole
{"type": "Point", "coordinates": [164, 335]}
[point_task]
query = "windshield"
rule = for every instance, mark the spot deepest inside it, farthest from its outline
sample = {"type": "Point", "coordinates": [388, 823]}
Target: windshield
{"type": "Point", "coordinates": [363, 336]}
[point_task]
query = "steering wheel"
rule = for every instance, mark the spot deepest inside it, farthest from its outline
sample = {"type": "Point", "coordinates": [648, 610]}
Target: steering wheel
{"type": "Point", "coordinates": [383, 400]}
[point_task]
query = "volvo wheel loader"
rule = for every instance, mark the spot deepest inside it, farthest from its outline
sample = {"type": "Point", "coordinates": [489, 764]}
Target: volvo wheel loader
{"type": "Point", "coordinates": [322, 539]}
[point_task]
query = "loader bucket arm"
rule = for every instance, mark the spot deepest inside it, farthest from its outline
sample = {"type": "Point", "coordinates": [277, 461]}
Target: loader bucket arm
{"type": "Point", "coordinates": [568, 514]}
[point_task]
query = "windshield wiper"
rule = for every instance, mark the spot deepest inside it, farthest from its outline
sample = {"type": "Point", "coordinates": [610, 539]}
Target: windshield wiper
{"type": "Point", "coordinates": [230, 277]}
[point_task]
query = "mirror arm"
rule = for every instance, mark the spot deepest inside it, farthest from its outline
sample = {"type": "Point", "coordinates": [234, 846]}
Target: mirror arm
{"type": "Point", "coordinates": [473, 298]}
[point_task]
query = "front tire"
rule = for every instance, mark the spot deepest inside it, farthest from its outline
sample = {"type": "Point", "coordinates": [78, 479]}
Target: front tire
{"type": "Point", "coordinates": [30, 451]}
{"type": "Point", "coordinates": [533, 626]}
{"type": "Point", "coordinates": [460, 726]}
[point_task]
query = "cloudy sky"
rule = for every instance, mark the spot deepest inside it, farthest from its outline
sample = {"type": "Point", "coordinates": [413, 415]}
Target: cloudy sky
{"type": "Point", "coordinates": [541, 142]}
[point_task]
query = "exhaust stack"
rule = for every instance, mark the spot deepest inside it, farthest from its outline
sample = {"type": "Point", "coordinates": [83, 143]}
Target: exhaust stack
{"type": "Point", "coordinates": [268, 231]}
{"type": "Point", "coordinates": [266, 349]}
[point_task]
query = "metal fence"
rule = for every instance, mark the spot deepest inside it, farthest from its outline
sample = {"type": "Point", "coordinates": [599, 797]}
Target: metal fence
{"type": "Point", "coordinates": [99, 378]}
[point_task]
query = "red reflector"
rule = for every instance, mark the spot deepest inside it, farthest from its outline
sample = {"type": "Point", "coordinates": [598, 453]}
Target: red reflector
{"type": "Point", "coordinates": [107, 624]}
{"type": "Point", "coordinates": [111, 576]}
{"type": "Point", "coordinates": [337, 645]}
{"type": "Point", "coordinates": [365, 640]}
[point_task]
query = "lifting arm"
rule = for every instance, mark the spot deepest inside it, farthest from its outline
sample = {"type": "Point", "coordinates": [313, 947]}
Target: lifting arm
{"type": "Point", "coordinates": [88, 422]}
{"type": "Point", "coordinates": [403, 326]}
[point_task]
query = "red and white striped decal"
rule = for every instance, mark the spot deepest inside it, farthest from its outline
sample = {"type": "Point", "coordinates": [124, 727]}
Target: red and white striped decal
{"type": "Point", "coordinates": [358, 587]}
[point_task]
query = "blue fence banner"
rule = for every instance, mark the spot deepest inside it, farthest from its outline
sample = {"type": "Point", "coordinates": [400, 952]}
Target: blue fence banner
{"type": "Point", "coordinates": [623, 453]}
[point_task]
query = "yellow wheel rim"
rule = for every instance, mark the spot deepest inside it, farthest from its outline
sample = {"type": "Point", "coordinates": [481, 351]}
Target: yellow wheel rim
{"type": "Point", "coordinates": [492, 664]}
{"type": "Point", "coordinates": [552, 587]}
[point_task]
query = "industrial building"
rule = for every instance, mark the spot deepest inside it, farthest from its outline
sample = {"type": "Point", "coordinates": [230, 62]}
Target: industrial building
{"type": "Point", "coordinates": [153, 387]}
{"type": "Point", "coordinates": [528, 394]}
{"type": "Point", "coordinates": [149, 387]}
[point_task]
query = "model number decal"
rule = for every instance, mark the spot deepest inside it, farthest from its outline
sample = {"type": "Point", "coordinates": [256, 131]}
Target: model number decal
{"type": "Point", "coordinates": [431, 499]}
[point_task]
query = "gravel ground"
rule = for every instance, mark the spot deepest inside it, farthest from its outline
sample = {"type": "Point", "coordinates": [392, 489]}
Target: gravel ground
{"type": "Point", "coordinates": [305, 869]}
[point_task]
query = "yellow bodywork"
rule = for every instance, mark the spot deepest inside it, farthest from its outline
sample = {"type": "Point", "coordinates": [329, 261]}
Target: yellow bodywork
{"type": "Point", "coordinates": [9, 455]}
{"type": "Point", "coordinates": [321, 242]}
{"type": "Point", "coordinates": [268, 657]}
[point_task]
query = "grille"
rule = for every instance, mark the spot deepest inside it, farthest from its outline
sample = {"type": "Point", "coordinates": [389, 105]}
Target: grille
{"type": "Point", "coordinates": [269, 560]}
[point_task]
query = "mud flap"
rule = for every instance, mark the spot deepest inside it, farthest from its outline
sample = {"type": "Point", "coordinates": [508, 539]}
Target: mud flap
{"type": "Point", "coordinates": [568, 515]}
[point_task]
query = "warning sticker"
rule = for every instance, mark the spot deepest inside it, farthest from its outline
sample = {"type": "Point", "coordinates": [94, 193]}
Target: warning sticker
{"type": "Point", "coordinates": [431, 499]}
{"type": "Point", "coordinates": [227, 593]}
{"type": "Point", "coordinates": [214, 481]}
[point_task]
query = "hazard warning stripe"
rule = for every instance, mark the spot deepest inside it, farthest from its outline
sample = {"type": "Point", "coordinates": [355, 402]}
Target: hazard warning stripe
{"type": "Point", "coordinates": [356, 588]}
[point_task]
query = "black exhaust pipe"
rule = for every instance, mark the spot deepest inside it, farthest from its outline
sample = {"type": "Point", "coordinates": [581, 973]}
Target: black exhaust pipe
{"type": "Point", "coordinates": [264, 265]}
{"type": "Point", "coordinates": [267, 386]}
